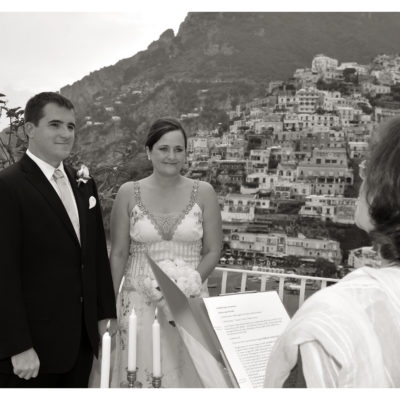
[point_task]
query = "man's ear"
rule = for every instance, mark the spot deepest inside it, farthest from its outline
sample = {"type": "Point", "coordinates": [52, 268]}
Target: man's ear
{"type": "Point", "coordinates": [29, 129]}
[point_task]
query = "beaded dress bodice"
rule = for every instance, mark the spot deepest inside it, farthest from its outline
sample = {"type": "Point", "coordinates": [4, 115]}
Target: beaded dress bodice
{"type": "Point", "coordinates": [163, 236]}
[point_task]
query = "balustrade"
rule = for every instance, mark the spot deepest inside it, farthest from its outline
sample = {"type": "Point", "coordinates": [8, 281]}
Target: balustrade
{"type": "Point", "coordinates": [319, 282]}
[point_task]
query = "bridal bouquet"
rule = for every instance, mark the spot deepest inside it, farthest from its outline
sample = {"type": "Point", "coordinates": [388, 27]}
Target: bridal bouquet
{"type": "Point", "coordinates": [187, 279]}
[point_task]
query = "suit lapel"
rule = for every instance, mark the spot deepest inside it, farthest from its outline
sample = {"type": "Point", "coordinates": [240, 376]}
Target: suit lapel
{"type": "Point", "coordinates": [36, 177]}
{"type": "Point", "coordinates": [81, 204]}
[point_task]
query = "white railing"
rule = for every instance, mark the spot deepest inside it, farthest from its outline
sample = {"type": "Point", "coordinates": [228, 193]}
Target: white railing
{"type": "Point", "coordinates": [264, 277]}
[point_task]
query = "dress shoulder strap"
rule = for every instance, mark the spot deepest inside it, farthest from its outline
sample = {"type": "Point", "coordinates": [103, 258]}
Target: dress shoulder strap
{"type": "Point", "coordinates": [136, 194]}
{"type": "Point", "coordinates": [193, 196]}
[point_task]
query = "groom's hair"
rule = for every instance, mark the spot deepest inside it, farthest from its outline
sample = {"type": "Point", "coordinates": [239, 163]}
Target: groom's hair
{"type": "Point", "coordinates": [34, 107]}
{"type": "Point", "coordinates": [162, 126]}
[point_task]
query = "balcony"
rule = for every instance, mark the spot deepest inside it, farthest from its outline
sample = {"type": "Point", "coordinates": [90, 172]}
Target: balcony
{"type": "Point", "coordinates": [251, 185]}
{"type": "Point", "coordinates": [292, 289]}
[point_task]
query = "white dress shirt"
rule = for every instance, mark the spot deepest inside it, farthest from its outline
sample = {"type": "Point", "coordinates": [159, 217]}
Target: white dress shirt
{"type": "Point", "coordinates": [48, 171]}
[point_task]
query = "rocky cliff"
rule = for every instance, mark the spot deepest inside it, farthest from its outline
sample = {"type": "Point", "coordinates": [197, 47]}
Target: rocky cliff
{"type": "Point", "coordinates": [215, 61]}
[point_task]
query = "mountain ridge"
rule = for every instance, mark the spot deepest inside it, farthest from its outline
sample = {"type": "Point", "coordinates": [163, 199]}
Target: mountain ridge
{"type": "Point", "coordinates": [214, 62]}
{"type": "Point", "coordinates": [225, 45]}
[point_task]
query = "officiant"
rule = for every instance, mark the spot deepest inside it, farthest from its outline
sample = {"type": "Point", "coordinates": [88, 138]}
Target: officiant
{"type": "Point", "coordinates": [348, 335]}
{"type": "Point", "coordinates": [56, 292]}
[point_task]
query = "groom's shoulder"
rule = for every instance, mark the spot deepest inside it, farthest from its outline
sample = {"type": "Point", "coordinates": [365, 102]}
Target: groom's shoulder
{"type": "Point", "coordinates": [10, 173]}
{"type": "Point", "coordinates": [11, 179]}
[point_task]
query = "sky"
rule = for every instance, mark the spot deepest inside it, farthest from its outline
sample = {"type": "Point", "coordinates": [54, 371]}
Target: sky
{"type": "Point", "coordinates": [45, 46]}
{"type": "Point", "coordinates": [48, 50]}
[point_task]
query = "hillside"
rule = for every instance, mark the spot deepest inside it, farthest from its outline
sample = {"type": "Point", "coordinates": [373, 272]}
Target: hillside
{"type": "Point", "coordinates": [259, 47]}
{"type": "Point", "coordinates": [215, 61]}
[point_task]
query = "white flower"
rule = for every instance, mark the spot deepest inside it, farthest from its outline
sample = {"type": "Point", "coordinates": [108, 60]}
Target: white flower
{"type": "Point", "coordinates": [180, 263]}
{"type": "Point", "coordinates": [186, 278]}
{"type": "Point", "coordinates": [82, 174]}
{"type": "Point", "coordinates": [169, 267]}
{"type": "Point", "coordinates": [148, 287]}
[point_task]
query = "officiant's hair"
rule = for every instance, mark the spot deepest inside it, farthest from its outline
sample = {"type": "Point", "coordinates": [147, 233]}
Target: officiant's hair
{"type": "Point", "coordinates": [162, 126]}
{"type": "Point", "coordinates": [383, 189]}
{"type": "Point", "coordinates": [35, 105]}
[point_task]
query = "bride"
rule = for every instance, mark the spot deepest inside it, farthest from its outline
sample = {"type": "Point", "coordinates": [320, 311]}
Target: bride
{"type": "Point", "coordinates": [167, 216]}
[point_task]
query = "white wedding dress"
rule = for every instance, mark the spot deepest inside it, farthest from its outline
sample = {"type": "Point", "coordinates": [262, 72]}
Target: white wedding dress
{"type": "Point", "coordinates": [161, 236]}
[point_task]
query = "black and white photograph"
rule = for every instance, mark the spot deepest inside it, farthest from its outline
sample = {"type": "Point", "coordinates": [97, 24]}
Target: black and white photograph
{"type": "Point", "coordinates": [199, 196]}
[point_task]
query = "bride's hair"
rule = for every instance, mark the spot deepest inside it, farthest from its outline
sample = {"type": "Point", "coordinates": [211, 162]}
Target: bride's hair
{"type": "Point", "coordinates": [383, 190]}
{"type": "Point", "coordinates": [162, 126]}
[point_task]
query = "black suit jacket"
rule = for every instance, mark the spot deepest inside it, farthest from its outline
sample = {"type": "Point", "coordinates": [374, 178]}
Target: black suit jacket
{"type": "Point", "coordinates": [47, 278]}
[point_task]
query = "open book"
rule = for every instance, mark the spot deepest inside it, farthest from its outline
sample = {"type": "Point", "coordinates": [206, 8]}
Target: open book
{"type": "Point", "coordinates": [229, 338]}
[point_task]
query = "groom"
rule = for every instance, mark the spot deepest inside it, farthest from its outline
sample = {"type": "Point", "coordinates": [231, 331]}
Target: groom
{"type": "Point", "coordinates": [56, 292]}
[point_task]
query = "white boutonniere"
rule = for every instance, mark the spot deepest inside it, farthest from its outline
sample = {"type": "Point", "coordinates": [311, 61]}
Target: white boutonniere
{"type": "Point", "coordinates": [82, 176]}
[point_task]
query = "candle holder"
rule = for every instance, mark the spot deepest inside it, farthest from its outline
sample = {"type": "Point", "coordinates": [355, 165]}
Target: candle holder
{"type": "Point", "coordinates": [132, 383]}
{"type": "Point", "coordinates": [156, 382]}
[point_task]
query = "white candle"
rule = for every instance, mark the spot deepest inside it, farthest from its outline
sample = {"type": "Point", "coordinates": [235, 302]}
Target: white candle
{"type": "Point", "coordinates": [105, 360]}
{"type": "Point", "coordinates": [156, 348]}
{"type": "Point", "coordinates": [132, 341]}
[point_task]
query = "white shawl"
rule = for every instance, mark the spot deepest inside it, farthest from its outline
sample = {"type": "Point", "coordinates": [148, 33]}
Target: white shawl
{"type": "Point", "coordinates": [348, 334]}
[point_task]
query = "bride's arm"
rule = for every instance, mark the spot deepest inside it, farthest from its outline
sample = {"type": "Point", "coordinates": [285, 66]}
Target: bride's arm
{"type": "Point", "coordinates": [120, 221]}
{"type": "Point", "coordinates": [212, 230]}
